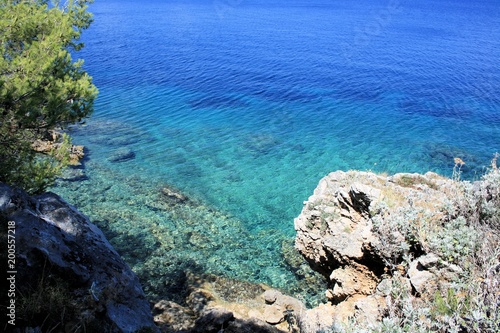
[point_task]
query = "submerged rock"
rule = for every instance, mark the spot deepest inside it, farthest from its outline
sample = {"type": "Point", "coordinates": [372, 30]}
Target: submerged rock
{"type": "Point", "coordinates": [58, 247]}
{"type": "Point", "coordinates": [121, 155]}
{"type": "Point", "coordinates": [173, 196]}
{"type": "Point", "coordinates": [73, 175]}
{"type": "Point", "coordinates": [112, 133]}
{"type": "Point", "coordinates": [217, 304]}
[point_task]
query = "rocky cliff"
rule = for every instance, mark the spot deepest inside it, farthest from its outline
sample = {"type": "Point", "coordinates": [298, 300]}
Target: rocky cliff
{"type": "Point", "coordinates": [375, 236]}
{"type": "Point", "coordinates": [69, 278]}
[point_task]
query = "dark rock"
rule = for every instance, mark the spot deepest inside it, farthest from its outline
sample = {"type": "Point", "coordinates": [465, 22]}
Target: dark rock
{"type": "Point", "coordinates": [173, 196]}
{"type": "Point", "coordinates": [250, 326]}
{"type": "Point", "coordinates": [121, 155]}
{"type": "Point", "coordinates": [56, 242]}
{"type": "Point", "coordinates": [171, 316]}
{"type": "Point", "coordinates": [213, 321]}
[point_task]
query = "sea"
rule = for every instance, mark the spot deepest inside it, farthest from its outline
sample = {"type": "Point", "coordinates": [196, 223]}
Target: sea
{"type": "Point", "coordinates": [242, 106]}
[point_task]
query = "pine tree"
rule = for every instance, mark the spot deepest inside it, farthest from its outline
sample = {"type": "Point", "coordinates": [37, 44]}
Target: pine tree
{"type": "Point", "coordinates": [41, 87]}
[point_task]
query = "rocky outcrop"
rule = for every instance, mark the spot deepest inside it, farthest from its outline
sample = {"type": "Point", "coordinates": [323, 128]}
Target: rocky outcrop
{"type": "Point", "coordinates": [216, 304]}
{"type": "Point", "coordinates": [53, 141]}
{"type": "Point", "coordinates": [59, 249]}
{"type": "Point", "coordinates": [355, 230]}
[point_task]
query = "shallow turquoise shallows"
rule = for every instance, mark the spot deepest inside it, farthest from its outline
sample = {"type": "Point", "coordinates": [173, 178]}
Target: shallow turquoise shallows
{"type": "Point", "coordinates": [244, 105]}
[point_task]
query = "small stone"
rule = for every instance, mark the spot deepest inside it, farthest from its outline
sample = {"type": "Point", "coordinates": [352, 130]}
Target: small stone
{"type": "Point", "coordinates": [384, 287]}
{"type": "Point", "coordinates": [429, 260]}
{"type": "Point", "coordinates": [73, 175]}
{"type": "Point", "coordinates": [271, 295]}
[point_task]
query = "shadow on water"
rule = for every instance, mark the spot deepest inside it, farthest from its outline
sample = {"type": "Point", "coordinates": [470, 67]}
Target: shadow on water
{"type": "Point", "coordinates": [411, 106]}
{"type": "Point", "coordinates": [443, 157]}
{"type": "Point", "coordinates": [217, 101]}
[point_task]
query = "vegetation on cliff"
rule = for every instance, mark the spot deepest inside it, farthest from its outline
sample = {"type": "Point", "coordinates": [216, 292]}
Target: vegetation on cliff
{"type": "Point", "coordinates": [41, 87]}
{"type": "Point", "coordinates": [465, 233]}
{"type": "Point", "coordinates": [405, 253]}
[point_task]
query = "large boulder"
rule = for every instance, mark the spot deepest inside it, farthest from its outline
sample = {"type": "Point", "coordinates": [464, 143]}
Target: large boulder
{"type": "Point", "coordinates": [57, 245]}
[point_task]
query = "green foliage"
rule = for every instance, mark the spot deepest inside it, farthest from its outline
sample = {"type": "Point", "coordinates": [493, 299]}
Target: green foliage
{"type": "Point", "coordinates": [448, 304]}
{"type": "Point", "coordinates": [41, 88]}
{"type": "Point", "coordinates": [455, 241]}
{"type": "Point", "coordinates": [412, 181]}
{"type": "Point", "coordinates": [465, 231]}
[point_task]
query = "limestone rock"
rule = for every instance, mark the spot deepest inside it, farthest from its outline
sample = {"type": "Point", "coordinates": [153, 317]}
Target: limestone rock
{"type": "Point", "coordinates": [53, 141]}
{"type": "Point", "coordinates": [428, 261]}
{"type": "Point", "coordinates": [421, 279]}
{"type": "Point", "coordinates": [320, 318]}
{"type": "Point", "coordinates": [369, 309]}
{"type": "Point", "coordinates": [274, 314]}
{"type": "Point", "coordinates": [384, 287]}
{"type": "Point", "coordinates": [333, 228]}
{"type": "Point", "coordinates": [289, 303]}
{"type": "Point", "coordinates": [347, 231]}
{"type": "Point", "coordinates": [352, 280]}
{"type": "Point", "coordinates": [77, 153]}
{"type": "Point", "coordinates": [51, 233]}
{"type": "Point", "coordinates": [429, 273]}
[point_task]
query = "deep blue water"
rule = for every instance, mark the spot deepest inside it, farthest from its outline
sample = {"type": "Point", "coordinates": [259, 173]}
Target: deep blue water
{"type": "Point", "coordinates": [245, 105]}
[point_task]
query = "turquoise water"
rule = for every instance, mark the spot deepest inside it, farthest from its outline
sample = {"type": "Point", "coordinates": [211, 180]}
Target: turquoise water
{"type": "Point", "coordinates": [243, 106]}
